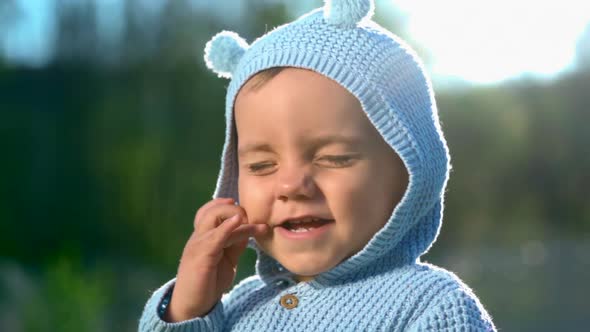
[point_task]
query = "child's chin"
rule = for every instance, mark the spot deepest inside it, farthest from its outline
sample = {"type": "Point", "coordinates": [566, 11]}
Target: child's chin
{"type": "Point", "coordinates": [307, 268]}
{"type": "Point", "coordinates": [304, 263]}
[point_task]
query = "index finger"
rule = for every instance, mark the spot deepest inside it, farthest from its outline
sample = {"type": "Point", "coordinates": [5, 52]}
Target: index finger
{"type": "Point", "coordinates": [214, 202]}
{"type": "Point", "coordinates": [216, 215]}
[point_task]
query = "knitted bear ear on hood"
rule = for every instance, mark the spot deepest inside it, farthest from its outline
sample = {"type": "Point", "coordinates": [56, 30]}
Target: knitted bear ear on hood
{"type": "Point", "coordinates": [224, 51]}
{"type": "Point", "coordinates": [347, 13]}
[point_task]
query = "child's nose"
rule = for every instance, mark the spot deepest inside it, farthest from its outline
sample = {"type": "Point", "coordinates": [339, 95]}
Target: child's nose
{"type": "Point", "coordinates": [295, 183]}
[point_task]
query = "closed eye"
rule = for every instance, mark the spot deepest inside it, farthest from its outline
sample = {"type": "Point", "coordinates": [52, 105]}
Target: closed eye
{"type": "Point", "coordinates": [337, 160]}
{"type": "Point", "coordinates": [260, 167]}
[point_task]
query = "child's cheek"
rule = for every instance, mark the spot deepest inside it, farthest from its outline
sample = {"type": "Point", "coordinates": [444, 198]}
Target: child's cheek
{"type": "Point", "coordinates": [257, 202]}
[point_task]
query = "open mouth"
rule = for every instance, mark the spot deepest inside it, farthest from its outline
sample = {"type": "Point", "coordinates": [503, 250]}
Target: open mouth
{"type": "Point", "coordinates": [303, 225]}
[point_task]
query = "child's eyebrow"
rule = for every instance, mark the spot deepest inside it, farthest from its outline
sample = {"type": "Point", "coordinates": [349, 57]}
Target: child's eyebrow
{"type": "Point", "coordinates": [318, 142]}
{"type": "Point", "coordinates": [313, 143]}
{"type": "Point", "coordinates": [259, 147]}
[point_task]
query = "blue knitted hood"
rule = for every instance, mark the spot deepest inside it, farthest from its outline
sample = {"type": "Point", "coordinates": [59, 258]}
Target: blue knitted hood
{"type": "Point", "coordinates": [341, 42]}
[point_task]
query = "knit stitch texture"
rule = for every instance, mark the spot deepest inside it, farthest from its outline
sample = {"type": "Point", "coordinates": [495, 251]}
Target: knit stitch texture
{"type": "Point", "coordinates": [383, 287]}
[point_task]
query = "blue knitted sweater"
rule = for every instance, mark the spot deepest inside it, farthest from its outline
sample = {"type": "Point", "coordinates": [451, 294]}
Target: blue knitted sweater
{"type": "Point", "coordinates": [380, 297]}
{"type": "Point", "coordinates": [383, 287]}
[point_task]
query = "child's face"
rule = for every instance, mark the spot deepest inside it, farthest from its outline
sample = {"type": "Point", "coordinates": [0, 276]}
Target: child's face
{"type": "Point", "coordinates": [306, 149]}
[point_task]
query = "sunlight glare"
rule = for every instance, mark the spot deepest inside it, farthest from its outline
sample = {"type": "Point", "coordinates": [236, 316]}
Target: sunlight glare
{"type": "Point", "coordinates": [488, 41]}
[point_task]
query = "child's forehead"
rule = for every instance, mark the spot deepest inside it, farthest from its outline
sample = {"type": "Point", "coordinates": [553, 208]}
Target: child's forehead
{"type": "Point", "coordinates": [299, 100]}
{"type": "Point", "coordinates": [296, 85]}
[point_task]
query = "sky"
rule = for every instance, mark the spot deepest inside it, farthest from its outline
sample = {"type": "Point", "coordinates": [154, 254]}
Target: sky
{"type": "Point", "coordinates": [485, 41]}
{"type": "Point", "coordinates": [477, 41]}
{"type": "Point", "coordinates": [28, 38]}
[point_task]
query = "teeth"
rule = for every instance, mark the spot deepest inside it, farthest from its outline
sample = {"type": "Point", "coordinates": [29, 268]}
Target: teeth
{"type": "Point", "coordinates": [295, 222]}
{"type": "Point", "coordinates": [300, 230]}
{"type": "Point", "coordinates": [297, 226]}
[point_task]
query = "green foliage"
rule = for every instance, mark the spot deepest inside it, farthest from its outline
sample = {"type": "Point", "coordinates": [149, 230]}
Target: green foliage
{"type": "Point", "coordinates": [62, 297]}
{"type": "Point", "coordinates": [520, 161]}
{"type": "Point", "coordinates": [75, 298]}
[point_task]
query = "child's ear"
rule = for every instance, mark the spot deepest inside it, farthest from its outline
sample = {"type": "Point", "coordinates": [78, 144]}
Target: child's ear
{"type": "Point", "coordinates": [347, 13]}
{"type": "Point", "coordinates": [224, 51]}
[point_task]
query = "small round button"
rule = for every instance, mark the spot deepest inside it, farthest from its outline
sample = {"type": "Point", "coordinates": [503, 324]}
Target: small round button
{"type": "Point", "coordinates": [289, 301]}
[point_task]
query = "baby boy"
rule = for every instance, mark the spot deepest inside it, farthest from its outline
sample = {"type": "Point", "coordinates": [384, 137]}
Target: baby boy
{"type": "Point", "coordinates": [334, 170]}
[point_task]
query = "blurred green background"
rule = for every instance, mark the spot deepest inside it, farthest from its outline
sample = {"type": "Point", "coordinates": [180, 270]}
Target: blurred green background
{"type": "Point", "coordinates": [112, 134]}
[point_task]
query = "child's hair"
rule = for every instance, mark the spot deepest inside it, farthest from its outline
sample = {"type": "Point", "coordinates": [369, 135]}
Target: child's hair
{"type": "Point", "coordinates": [262, 77]}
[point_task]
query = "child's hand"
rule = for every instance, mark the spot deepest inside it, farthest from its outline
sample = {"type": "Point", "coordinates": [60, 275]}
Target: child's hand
{"type": "Point", "coordinates": [208, 264]}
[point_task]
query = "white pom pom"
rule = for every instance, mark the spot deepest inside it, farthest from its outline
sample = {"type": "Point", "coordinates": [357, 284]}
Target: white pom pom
{"type": "Point", "coordinates": [347, 13]}
{"type": "Point", "coordinates": [224, 51]}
